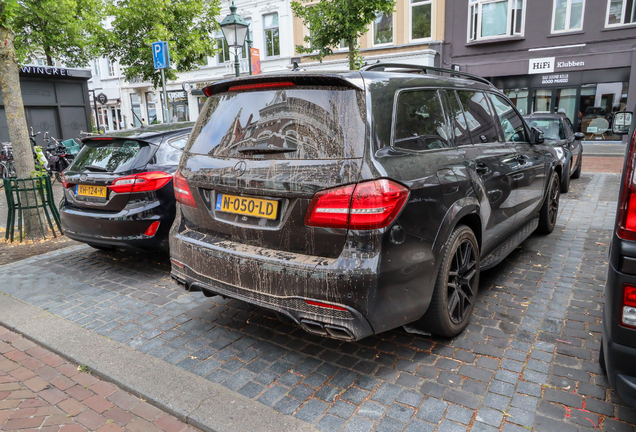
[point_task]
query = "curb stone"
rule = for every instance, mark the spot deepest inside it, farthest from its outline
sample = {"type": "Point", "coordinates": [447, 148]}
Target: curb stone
{"type": "Point", "coordinates": [203, 404]}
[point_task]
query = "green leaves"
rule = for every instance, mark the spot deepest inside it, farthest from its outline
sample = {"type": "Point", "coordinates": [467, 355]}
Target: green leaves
{"type": "Point", "coordinates": [331, 22]}
{"type": "Point", "coordinates": [7, 12]}
{"type": "Point", "coordinates": [59, 29]}
{"type": "Point", "coordinates": [187, 25]}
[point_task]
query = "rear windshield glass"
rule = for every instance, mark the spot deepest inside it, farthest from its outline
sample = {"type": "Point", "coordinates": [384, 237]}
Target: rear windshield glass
{"type": "Point", "coordinates": [552, 128]}
{"type": "Point", "coordinates": [112, 156]}
{"type": "Point", "coordinates": [298, 123]}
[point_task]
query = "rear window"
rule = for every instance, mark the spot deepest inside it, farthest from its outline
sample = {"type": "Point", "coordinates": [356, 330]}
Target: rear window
{"type": "Point", "coordinates": [112, 156]}
{"type": "Point", "coordinates": [295, 123]}
{"type": "Point", "coordinates": [552, 128]}
{"type": "Point", "coordinates": [420, 123]}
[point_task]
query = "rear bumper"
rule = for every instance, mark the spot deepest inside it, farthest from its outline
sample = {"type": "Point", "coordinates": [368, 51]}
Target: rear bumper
{"type": "Point", "coordinates": [619, 357]}
{"type": "Point", "coordinates": [122, 229]}
{"type": "Point", "coordinates": [371, 295]}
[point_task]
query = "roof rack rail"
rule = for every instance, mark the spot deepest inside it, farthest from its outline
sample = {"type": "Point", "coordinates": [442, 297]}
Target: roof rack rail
{"type": "Point", "coordinates": [426, 70]}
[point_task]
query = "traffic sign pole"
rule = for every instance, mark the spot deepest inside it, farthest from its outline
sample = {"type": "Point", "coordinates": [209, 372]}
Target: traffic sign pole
{"type": "Point", "coordinates": [165, 98]}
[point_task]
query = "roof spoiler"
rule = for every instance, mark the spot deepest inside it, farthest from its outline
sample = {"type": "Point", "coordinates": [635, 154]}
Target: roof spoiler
{"type": "Point", "coordinates": [427, 70]}
{"type": "Point", "coordinates": [295, 79]}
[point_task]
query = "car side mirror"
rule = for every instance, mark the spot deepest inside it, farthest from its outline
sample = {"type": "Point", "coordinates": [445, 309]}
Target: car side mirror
{"type": "Point", "coordinates": [536, 135]}
{"type": "Point", "coordinates": [621, 122]}
{"type": "Point", "coordinates": [579, 135]}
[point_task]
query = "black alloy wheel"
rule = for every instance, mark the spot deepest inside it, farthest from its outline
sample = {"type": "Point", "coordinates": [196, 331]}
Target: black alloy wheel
{"type": "Point", "coordinates": [461, 282]}
{"type": "Point", "coordinates": [550, 209]}
{"type": "Point", "coordinates": [456, 286]}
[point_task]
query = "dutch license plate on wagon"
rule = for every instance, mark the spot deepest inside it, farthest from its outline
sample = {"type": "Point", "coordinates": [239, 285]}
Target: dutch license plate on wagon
{"type": "Point", "coordinates": [90, 190]}
{"type": "Point", "coordinates": [247, 206]}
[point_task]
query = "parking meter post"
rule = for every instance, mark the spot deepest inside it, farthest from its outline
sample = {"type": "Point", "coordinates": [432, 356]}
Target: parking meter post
{"type": "Point", "coordinates": [165, 97]}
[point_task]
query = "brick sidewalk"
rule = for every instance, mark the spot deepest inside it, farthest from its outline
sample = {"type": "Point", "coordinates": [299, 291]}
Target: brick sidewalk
{"type": "Point", "coordinates": [602, 164]}
{"type": "Point", "coordinates": [41, 391]}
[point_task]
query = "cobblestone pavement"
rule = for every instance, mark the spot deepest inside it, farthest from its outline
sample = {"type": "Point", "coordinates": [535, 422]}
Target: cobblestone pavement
{"type": "Point", "coordinates": [528, 359]}
{"type": "Point", "coordinates": [41, 391]}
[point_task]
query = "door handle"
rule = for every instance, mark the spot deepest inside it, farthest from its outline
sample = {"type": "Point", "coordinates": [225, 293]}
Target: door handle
{"type": "Point", "coordinates": [482, 168]}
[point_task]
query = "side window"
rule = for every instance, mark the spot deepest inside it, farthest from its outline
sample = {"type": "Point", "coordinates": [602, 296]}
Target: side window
{"type": "Point", "coordinates": [420, 123]}
{"type": "Point", "coordinates": [569, 129]}
{"type": "Point", "coordinates": [456, 115]}
{"type": "Point", "coordinates": [479, 116]}
{"type": "Point", "coordinates": [169, 152]}
{"type": "Point", "coordinates": [511, 123]}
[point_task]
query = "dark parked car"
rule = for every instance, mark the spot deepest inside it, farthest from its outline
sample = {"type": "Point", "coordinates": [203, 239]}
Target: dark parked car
{"type": "Point", "coordinates": [559, 132]}
{"type": "Point", "coordinates": [353, 203]}
{"type": "Point", "coordinates": [618, 350]}
{"type": "Point", "coordinates": [118, 192]}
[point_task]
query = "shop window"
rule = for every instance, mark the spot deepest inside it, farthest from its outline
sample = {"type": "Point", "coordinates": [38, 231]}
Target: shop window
{"type": "Point", "coordinates": [420, 123]}
{"type": "Point", "coordinates": [597, 104]}
{"type": "Point", "coordinates": [567, 15]}
{"type": "Point", "coordinates": [511, 123]}
{"type": "Point", "coordinates": [519, 98]}
{"type": "Point", "coordinates": [421, 13]}
{"type": "Point", "coordinates": [272, 36]}
{"type": "Point", "coordinates": [151, 108]}
{"type": "Point", "coordinates": [565, 102]}
{"type": "Point", "coordinates": [383, 29]}
{"type": "Point", "coordinates": [135, 103]}
{"type": "Point", "coordinates": [490, 19]}
{"type": "Point", "coordinates": [620, 12]}
{"type": "Point", "coordinates": [541, 100]}
{"type": "Point", "coordinates": [178, 108]}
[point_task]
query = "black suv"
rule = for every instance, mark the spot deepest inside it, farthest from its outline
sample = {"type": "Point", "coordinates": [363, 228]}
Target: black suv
{"type": "Point", "coordinates": [353, 203]}
{"type": "Point", "coordinates": [618, 350]}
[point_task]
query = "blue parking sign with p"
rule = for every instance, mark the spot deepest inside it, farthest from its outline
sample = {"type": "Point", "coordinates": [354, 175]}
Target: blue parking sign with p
{"type": "Point", "coordinates": [161, 55]}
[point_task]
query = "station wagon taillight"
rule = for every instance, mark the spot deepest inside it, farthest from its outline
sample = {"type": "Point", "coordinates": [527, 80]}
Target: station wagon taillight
{"type": "Point", "coordinates": [629, 306]}
{"type": "Point", "coordinates": [627, 212]}
{"type": "Point", "coordinates": [368, 205]}
{"type": "Point", "coordinates": [144, 182]}
{"type": "Point", "coordinates": [182, 191]}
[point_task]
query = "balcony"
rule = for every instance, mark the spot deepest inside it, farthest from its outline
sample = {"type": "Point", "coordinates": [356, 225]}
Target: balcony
{"type": "Point", "coordinates": [229, 66]}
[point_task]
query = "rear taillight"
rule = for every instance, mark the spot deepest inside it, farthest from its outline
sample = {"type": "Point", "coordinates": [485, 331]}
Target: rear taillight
{"type": "Point", "coordinates": [66, 184]}
{"type": "Point", "coordinates": [629, 306]}
{"type": "Point", "coordinates": [627, 212]}
{"type": "Point", "coordinates": [144, 182]}
{"type": "Point", "coordinates": [182, 191]}
{"type": "Point", "coordinates": [368, 205]}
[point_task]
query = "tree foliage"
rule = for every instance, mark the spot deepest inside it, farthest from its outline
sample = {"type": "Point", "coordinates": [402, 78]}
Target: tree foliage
{"type": "Point", "coordinates": [187, 25]}
{"type": "Point", "coordinates": [7, 12]}
{"type": "Point", "coordinates": [66, 30]}
{"type": "Point", "coordinates": [333, 21]}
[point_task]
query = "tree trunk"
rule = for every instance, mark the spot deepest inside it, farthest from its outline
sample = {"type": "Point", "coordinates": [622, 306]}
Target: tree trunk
{"type": "Point", "coordinates": [352, 54]}
{"type": "Point", "coordinates": [49, 60]}
{"type": "Point", "coordinates": [16, 122]}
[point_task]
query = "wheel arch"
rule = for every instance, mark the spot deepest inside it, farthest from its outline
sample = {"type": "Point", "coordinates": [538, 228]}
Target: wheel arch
{"type": "Point", "coordinates": [464, 211]}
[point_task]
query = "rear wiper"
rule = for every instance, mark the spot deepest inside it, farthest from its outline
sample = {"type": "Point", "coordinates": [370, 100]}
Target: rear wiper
{"type": "Point", "coordinates": [265, 150]}
{"type": "Point", "coordinates": [96, 168]}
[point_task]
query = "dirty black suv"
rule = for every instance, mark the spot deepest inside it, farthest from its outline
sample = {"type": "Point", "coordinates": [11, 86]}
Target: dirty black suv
{"type": "Point", "coordinates": [353, 203]}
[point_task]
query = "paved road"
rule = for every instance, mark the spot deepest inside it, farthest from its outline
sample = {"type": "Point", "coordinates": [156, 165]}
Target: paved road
{"type": "Point", "coordinates": [528, 359]}
{"type": "Point", "coordinates": [39, 390]}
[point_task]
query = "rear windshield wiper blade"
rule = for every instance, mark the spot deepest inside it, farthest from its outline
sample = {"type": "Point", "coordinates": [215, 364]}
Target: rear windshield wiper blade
{"type": "Point", "coordinates": [96, 168]}
{"type": "Point", "coordinates": [265, 150]}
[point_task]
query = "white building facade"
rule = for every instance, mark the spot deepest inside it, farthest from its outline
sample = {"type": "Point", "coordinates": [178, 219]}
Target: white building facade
{"type": "Point", "coordinates": [131, 103]}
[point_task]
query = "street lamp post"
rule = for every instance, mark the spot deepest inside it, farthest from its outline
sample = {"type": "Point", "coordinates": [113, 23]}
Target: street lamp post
{"type": "Point", "coordinates": [234, 29]}
{"type": "Point", "coordinates": [249, 51]}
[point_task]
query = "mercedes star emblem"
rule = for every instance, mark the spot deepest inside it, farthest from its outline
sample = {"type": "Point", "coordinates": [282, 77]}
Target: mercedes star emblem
{"type": "Point", "coordinates": [83, 177]}
{"type": "Point", "coordinates": [239, 168]}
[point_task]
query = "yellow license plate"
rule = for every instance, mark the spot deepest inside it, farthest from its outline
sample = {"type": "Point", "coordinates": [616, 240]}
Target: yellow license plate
{"type": "Point", "coordinates": [89, 190]}
{"type": "Point", "coordinates": [256, 207]}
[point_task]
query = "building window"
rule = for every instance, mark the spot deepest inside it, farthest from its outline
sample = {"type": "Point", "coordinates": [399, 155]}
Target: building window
{"type": "Point", "coordinates": [567, 15]}
{"type": "Point", "coordinates": [383, 29]}
{"type": "Point", "coordinates": [224, 50]}
{"type": "Point", "coordinates": [421, 12]}
{"type": "Point", "coordinates": [151, 108]}
{"type": "Point", "coordinates": [111, 67]}
{"type": "Point", "coordinates": [97, 71]}
{"type": "Point", "coordinates": [620, 12]}
{"type": "Point", "coordinates": [272, 38]}
{"type": "Point", "coordinates": [490, 19]}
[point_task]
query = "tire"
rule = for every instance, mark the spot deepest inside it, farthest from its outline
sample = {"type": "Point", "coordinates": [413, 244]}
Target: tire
{"type": "Point", "coordinates": [3, 174]}
{"type": "Point", "coordinates": [457, 282]}
{"type": "Point", "coordinates": [577, 173]}
{"type": "Point", "coordinates": [101, 247]}
{"type": "Point", "coordinates": [550, 208]}
{"type": "Point", "coordinates": [58, 177]}
{"type": "Point", "coordinates": [565, 180]}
